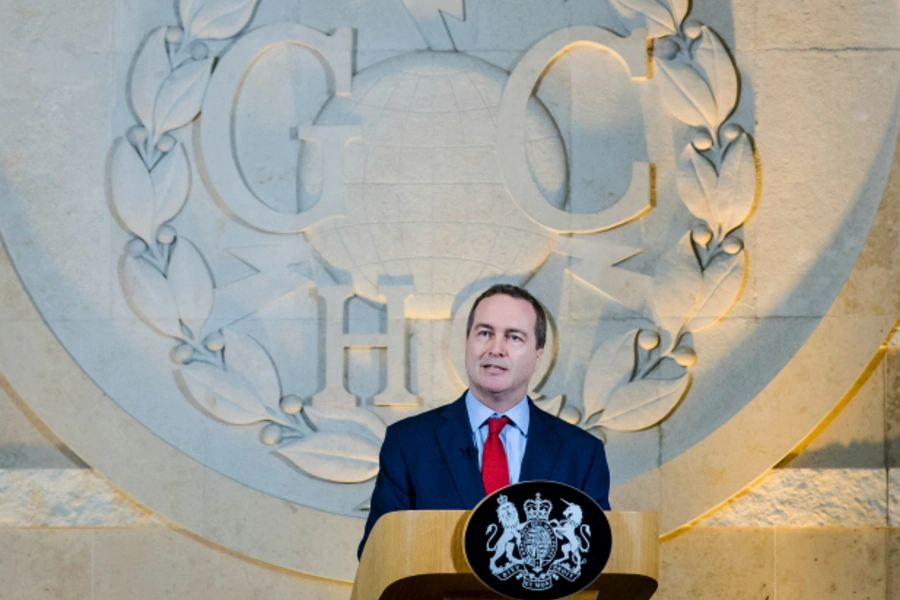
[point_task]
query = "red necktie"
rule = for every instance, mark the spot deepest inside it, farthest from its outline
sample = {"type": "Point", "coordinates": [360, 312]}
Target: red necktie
{"type": "Point", "coordinates": [494, 468]}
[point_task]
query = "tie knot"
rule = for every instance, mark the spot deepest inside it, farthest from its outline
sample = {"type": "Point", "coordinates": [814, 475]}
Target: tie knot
{"type": "Point", "coordinates": [496, 424]}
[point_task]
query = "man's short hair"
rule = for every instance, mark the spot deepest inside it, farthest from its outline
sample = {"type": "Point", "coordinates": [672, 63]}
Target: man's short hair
{"type": "Point", "coordinates": [540, 324]}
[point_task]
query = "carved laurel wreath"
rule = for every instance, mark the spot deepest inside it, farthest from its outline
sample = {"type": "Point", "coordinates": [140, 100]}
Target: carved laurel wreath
{"type": "Point", "coordinates": [168, 284]}
{"type": "Point", "coordinates": [631, 383]}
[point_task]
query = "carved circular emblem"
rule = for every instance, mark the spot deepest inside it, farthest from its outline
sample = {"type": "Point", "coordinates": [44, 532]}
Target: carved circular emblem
{"type": "Point", "coordinates": [424, 177]}
{"type": "Point", "coordinates": [295, 223]}
{"type": "Point", "coordinates": [537, 539]}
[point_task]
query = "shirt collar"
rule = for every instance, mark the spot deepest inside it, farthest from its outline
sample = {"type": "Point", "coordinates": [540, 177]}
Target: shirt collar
{"type": "Point", "coordinates": [520, 414]}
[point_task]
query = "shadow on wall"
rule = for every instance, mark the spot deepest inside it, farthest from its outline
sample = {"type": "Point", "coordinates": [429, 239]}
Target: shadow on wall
{"type": "Point", "coordinates": [38, 456]}
{"type": "Point", "coordinates": [856, 455]}
{"type": "Point", "coordinates": [25, 442]}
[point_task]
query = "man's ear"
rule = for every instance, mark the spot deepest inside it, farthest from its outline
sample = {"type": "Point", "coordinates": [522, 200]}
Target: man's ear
{"type": "Point", "coordinates": [540, 353]}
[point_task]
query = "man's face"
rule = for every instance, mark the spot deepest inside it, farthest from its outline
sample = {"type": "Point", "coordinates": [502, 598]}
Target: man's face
{"type": "Point", "coordinates": [501, 350]}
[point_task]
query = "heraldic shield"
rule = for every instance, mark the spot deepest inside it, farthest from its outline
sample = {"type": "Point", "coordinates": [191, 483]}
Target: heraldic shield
{"type": "Point", "coordinates": [538, 539]}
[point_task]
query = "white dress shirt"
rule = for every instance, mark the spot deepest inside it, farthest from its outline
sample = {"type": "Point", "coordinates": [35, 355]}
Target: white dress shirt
{"type": "Point", "coordinates": [514, 436]}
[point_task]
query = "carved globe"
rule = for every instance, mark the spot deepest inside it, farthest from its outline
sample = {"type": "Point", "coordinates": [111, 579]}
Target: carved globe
{"type": "Point", "coordinates": [423, 193]}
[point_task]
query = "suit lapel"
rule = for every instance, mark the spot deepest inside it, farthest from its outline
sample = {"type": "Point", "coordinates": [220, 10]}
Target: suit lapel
{"type": "Point", "coordinates": [454, 436]}
{"type": "Point", "coordinates": [543, 445]}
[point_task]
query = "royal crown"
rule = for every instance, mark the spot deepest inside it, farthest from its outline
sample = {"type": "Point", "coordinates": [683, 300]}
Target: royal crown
{"type": "Point", "coordinates": [538, 509]}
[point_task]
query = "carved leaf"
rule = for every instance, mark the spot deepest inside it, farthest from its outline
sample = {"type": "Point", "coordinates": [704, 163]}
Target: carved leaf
{"type": "Point", "coordinates": [149, 296]}
{"type": "Point", "coordinates": [335, 419]}
{"type": "Point", "coordinates": [659, 19]}
{"type": "Point", "coordinates": [643, 403]}
{"type": "Point", "coordinates": [341, 457]}
{"type": "Point", "coordinates": [737, 183]}
{"type": "Point", "coordinates": [679, 10]}
{"type": "Point", "coordinates": [185, 11]}
{"type": "Point", "coordinates": [151, 67]}
{"type": "Point", "coordinates": [223, 394]}
{"type": "Point", "coordinates": [610, 366]}
{"type": "Point", "coordinates": [181, 96]}
{"type": "Point", "coordinates": [246, 357]}
{"type": "Point", "coordinates": [624, 9]}
{"type": "Point", "coordinates": [685, 94]}
{"type": "Point", "coordinates": [676, 286]}
{"type": "Point", "coordinates": [697, 185]}
{"type": "Point", "coordinates": [217, 19]}
{"type": "Point", "coordinates": [132, 192]}
{"type": "Point", "coordinates": [192, 284]}
{"type": "Point", "coordinates": [723, 281]}
{"type": "Point", "coordinates": [171, 180]}
{"type": "Point", "coordinates": [721, 72]}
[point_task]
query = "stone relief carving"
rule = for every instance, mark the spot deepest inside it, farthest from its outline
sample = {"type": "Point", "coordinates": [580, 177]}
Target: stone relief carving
{"type": "Point", "coordinates": [698, 282]}
{"type": "Point", "coordinates": [632, 382]}
{"type": "Point", "coordinates": [167, 282]}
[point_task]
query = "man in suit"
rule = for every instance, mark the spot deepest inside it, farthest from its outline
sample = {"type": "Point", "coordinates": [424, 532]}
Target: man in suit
{"type": "Point", "coordinates": [451, 457]}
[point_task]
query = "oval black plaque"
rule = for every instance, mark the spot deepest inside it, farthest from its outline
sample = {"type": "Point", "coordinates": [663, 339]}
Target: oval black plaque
{"type": "Point", "coordinates": [537, 539]}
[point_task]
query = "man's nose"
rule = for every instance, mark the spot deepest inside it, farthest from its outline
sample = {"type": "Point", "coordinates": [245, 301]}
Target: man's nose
{"type": "Point", "coordinates": [497, 346]}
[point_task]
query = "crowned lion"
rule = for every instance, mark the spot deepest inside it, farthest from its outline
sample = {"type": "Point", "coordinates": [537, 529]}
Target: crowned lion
{"type": "Point", "coordinates": [506, 544]}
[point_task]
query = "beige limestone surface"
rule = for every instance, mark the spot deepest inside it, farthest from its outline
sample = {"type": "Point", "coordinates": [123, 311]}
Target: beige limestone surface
{"type": "Point", "coordinates": [831, 563]}
{"type": "Point", "coordinates": [151, 564]}
{"type": "Point", "coordinates": [893, 563]}
{"type": "Point", "coordinates": [46, 564]}
{"type": "Point", "coordinates": [798, 24]}
{"type": "Point", "coordinates": [718, 563]}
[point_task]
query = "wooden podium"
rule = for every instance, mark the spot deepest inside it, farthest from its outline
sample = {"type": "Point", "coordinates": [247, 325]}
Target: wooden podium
{"type": "Point", "coordinates": [418, 555]}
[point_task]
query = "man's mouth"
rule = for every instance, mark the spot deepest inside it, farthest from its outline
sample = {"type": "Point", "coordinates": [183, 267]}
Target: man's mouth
{"type": "Point", "coordinates": [494, 368]}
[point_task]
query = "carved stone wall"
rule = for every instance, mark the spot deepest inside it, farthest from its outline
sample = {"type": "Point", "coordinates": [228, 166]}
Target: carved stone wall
{"type": "Point", "coordinates": [243, 237]}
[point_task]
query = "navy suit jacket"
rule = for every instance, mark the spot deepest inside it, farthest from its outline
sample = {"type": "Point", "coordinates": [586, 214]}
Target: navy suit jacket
{"type": "Point", "coordinates": [428, 462]}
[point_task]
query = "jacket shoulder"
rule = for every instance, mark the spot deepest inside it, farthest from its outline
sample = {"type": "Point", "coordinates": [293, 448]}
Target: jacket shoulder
{"type": "Point", "coordinates": [426, 420]}
{"type": "Point", "coordinates": [571, 433]}
{"type": "Point", "coordinates": [581, 436]}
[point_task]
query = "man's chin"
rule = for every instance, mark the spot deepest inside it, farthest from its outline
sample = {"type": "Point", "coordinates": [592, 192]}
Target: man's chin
{"type": "Point", "coordinates": [493, 393]}
{"type": "Point", "coordinates": [496, 384]}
